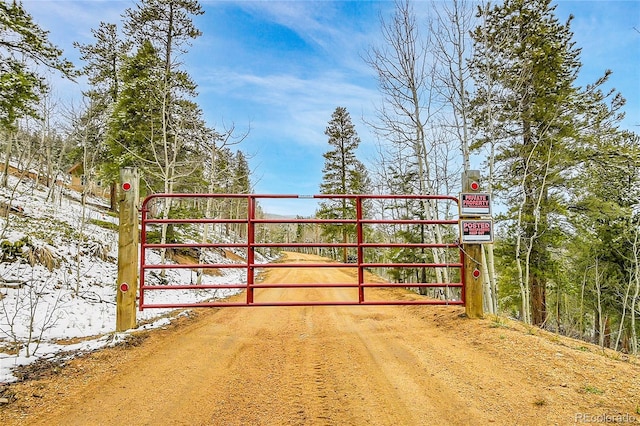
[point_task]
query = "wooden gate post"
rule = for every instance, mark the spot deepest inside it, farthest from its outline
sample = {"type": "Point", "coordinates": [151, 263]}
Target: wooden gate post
{"type": "Point", "coordinates": [472, 258]}
{"type": "Point", "coordinates": [127, 285]}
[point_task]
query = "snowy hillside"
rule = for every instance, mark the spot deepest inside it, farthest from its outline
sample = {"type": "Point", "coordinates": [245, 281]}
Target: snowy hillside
{"type": "Point", "coordinates": [58, 272]}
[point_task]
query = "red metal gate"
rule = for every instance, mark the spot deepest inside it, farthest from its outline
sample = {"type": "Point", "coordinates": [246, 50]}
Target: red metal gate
{"type": "Point", "coordinates": [412, 263]}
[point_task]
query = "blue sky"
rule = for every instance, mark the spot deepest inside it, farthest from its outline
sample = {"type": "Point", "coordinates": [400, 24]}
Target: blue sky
{"type": "Point", "coordinates": [280, 68]}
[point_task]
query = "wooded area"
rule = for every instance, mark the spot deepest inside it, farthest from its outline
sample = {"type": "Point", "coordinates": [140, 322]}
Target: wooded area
{"type": "Point", "coordinates": [497, 82]}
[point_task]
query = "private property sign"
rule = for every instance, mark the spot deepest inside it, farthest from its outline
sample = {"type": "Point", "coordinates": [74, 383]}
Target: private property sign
{"type": "Point", "coordinates": [476, 231]}
{"type": "Point", "coordinates": [475, 204]}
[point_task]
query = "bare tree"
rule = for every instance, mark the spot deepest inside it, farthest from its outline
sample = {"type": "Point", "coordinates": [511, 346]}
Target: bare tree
{"type": "Point", "coordinates": [214, 144]}
{"type": "Point", "coordinates": [86, 132]}
{"type": "Point", "coordinates": [20, 138]}
{"type": "Point", "coordinates": [406, 79]}
{"type": "Point", "coordinates": [634, 288]}
{"type": "Point", "coordinates": [452, 44]}
{"type": "Point", "coordinates": [452, 48]}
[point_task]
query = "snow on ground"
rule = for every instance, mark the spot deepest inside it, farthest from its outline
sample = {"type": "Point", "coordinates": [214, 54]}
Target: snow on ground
{"type": "Point", "coordinates": [69, 292]}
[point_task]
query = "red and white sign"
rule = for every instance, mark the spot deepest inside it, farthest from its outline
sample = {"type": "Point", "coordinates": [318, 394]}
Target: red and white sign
{"type": "Point", "coordinates": [475, 204]}
{"type": "Point", "coordinates": [476, 231]}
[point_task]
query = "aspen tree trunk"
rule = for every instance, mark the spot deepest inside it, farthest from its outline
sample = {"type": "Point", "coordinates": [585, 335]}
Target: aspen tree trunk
{"type": "Point", "coordinates": [208, 210]}
{"type": "Point", "coordinates": [7, 159]}
{"type": "Point", "coordinates": [164, 167]}
{"type": "Point", "coordinates": [635, 300]}
{"type": "Point", "coordinates": [625, 304]}
{"type": "Point", "coordinates": [600, 318]}
{"type": "Point", "coordinates": [634, 309]}
{"type": "Point", "coordinates": [453, 22]}
{"type": "Point", "coordinates": [487, 300]}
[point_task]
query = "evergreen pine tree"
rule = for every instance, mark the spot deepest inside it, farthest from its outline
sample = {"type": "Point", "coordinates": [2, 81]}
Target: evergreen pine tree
{"type": "Point", "coordinates": [103, 63]}
{"type": "Point", "coordinates": [546, 131]}
{"type": "Point", "coordinates": [343, 173]}
{"type": "Point", "coordinates": [529, 55]}
{"type": "Point", "coordinates": [24, 46]}
{"type": "Point", "coordinates": [136, 117]}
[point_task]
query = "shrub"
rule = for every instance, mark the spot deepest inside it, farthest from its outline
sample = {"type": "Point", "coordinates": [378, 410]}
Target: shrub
{"type": "Point", "coordinates": [44, 255]}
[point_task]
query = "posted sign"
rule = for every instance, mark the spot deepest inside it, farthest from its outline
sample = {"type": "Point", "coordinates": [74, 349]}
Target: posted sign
{"type": "Point", "coordinates": [476, 231]}
{"type": "Point", "coordinates": [475, 204]}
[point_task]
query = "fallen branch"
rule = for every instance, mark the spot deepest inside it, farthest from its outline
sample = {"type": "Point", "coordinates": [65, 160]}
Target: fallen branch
{"type": "Point", "coordinates": [15, 284]}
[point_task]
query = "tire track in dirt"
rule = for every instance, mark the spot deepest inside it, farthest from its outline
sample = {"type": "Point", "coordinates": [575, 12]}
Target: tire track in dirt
{"type": "Point", "coordinates": [332, 366]}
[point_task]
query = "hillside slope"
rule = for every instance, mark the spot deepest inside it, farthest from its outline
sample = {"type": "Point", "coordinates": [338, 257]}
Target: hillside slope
{"type": "Point", "coordinates": [399, 365]}
{"type": "Point", "coordinates": [58, 268]}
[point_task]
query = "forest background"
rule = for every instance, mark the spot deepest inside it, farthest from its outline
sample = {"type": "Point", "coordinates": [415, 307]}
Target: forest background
{"type": "Point", "coordinates": [458, 85]}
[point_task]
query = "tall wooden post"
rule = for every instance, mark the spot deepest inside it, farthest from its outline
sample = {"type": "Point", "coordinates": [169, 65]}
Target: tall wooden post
{"type": "Point", "coordinates": [127, 285]}
{"type": "Point", "coordinates": [472, 258]}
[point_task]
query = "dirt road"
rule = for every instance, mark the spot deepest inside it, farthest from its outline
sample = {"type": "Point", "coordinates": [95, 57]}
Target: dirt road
{"type": "Point", "coordinates": [401, 365]}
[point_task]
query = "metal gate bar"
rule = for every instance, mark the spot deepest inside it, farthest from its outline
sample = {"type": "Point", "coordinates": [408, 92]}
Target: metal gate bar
{"type": "Point", "coordinates": [251, 245]}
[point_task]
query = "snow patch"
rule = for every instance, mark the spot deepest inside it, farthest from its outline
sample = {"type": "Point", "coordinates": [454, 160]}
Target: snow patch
{"type": "Point", "coordinates": [48, 305]}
